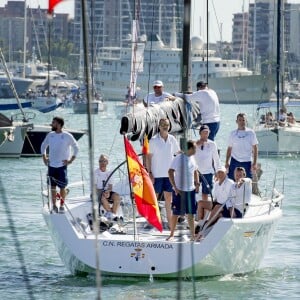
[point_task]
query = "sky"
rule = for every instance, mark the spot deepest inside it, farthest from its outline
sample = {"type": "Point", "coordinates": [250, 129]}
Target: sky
{"type": "Point", "coordinates": [220, 15]}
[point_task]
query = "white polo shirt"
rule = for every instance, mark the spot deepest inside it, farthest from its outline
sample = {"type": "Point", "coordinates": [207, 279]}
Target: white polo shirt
{"type": "Point", "coordinates": [241, 195]}
{"type": "Point", "coordinates": [242, 142]}
{"type": "Point", "coordinates": [209, 105]}
{"type": "Point", "coordinates": [101, 177]}
{"type": "Point", "coordinates": [207, 159]}
{"type": "Point", "coordinates": [163, 153]}
{"type": "Point", "coordinates": [184, 167]}
{"type": "Point", "coordinates": [152, 99]}
{"type": "Point", "coordinates": [222, 192]}
{"type": "Point", "coordinates": [60, 145]}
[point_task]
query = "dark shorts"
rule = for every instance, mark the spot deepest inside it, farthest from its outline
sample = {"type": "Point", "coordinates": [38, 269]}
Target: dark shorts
{"type": "Point", "coordinates": [184, 203]}
{"type": "Point", "coordinates": [162, 184]}
{"type": "Point", "coordinates": [100, 192]}
{"type": "Point", "coordinates": [206, 183]}
{"type": "Point", "coordinates": [225, 211]}
{"type": "Point", "coordinates": [213, 129]}
{"type": "Point", "coordinates": [234, 164]}
{"type": "Point", "coordinates": [58, 176]}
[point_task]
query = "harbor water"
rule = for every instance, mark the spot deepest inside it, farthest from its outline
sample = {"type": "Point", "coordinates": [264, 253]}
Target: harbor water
{"type": "Point", "coordinates": [30, 267]}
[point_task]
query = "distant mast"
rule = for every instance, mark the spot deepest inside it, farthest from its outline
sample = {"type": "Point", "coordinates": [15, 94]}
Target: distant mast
{"type": "Point", "coordinates": [173, 39]}
{"type": "Point", "coordinates": [186, 49]}
{"type": "Point", "coordinates": [25, 39]}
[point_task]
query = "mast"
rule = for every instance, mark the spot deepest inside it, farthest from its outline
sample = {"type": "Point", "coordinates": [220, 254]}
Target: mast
{"type": "Point", "coordinates": [134, 47]}
{"type": "Point", "coordinates": [207, 39]}
{"type": "Point", "coordinates": [25, 38]}
{"type": "Point", "coordinates": [278, 54]}
{"type": "Point", "coordinates": [186, 48]}
{"type": "Point", "coordinates": [50, 18]}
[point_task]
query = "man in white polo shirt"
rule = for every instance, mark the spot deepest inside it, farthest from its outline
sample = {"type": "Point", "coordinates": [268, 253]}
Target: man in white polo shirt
{"type": "Point", "coordinates": [242, 148]}
{"type": "Point", "coordinates": [163, 148]}
{"type": "Point", "coordinates": [158, 95]}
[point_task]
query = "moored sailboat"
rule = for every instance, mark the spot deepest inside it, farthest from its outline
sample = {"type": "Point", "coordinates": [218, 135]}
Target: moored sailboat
{"type": "Point", "coordinates": [276, 134]}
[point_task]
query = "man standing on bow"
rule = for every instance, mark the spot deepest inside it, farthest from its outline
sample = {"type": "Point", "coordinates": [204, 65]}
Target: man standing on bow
{"type": "Point", "coordinates": [59, 143]}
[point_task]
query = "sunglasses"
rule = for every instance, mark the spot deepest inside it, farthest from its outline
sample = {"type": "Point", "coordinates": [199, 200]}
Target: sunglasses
{"type": "Point", "coordinates": [102, 161]}
{"type": "Point", "coordinates": [157, 87]}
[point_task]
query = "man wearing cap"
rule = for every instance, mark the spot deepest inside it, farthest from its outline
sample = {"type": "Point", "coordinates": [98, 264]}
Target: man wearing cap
{"type": "Point", "coordinates": [158, 95]}
{"type": "Point", "coordinates": [222, 196]}
{"type": "Point", "coordinates": [208, 160]}
{"type": "Point", "coordinates": [208, 102]}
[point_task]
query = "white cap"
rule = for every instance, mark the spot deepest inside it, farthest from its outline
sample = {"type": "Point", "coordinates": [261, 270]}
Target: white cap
{"type": "Point", "coordinates": [221, 169]}
{"type": "Point", "coordinates": [157, 83]}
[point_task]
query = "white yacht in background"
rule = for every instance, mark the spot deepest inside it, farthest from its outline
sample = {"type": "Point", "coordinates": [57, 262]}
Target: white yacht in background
{"type": "Point", "coordinates": [232, 82]}
{"type": "Point", "coordinates": [21, 85]}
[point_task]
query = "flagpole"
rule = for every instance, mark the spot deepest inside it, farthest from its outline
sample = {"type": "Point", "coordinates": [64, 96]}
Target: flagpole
{"type": "Point", "coordinates": [131, 195]}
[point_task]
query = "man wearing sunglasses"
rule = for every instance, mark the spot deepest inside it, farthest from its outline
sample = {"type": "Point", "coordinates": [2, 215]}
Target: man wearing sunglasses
{"type": "Point", "coordinates": [158, 94]}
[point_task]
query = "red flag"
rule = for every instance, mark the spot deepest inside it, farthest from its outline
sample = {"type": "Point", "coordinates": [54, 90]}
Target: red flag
{"type": "Point", "coordinates": [52, 4]}
{"type": "Point", "coordinates": [142, 187]}
{"type": "Point", "coordinates": [146, 149]}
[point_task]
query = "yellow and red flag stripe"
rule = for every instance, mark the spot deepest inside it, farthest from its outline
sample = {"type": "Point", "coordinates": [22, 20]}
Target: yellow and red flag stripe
{"type": "Point", "coordinates": [146, 149]}
{"type": "Point", "coordinates": [142, 187]}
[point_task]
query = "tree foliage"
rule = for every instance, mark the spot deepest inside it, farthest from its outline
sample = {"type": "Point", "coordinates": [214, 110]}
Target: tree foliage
{"type": "Point", "coordinates": [61, 57]}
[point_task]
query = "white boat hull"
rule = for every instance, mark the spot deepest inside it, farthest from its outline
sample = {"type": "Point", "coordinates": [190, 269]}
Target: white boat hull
{"type": "Point", "coordinates": [12, 141]}
{"type": "Point", "coordinates": [233, 246]}
{"type": "Point", "coordinates": [236, 89]}
{"type": "Point", "coordinates": [278, 140]}
{"type": "Point", "coordinates": [46, 104]}
{"type": "Point", "coordinates": [82, 108]}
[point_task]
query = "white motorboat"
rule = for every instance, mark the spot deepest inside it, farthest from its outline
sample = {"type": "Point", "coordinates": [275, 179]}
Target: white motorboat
{"type": "Point", "coordinates": [21, 85]}
{"type": "Point", "coordinates": [81, 107]}
{"type": "Point", "coordinates": [45, 103]}
{"type": "Point", "coordinates": [232, 82]}
{"type": "Point", "coordinates": [275, 137]}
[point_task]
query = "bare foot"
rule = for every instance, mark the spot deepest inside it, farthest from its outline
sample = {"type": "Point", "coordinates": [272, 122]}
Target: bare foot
{"type": "Point", "coordinates": [199, 237]}
{"type": "Point", "coordinates": [170, 238]}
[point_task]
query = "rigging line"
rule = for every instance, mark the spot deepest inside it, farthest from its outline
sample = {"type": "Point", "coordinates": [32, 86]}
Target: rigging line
{"type": "Point", "coordinates": [36, 34]}
{"type": "Point", "coordinates": [17, 244]}
{"type": "Point", "coordinates": [87, 82]}
{"type": "Point", "coordinates": [150, 52]}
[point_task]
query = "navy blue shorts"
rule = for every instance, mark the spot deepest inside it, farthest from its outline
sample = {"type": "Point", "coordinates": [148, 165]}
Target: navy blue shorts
{"type": "Point", "coordinates": [162, 184]}
{"type": "Point", "coordinates": [207, 183]}
{"type": "Point", "coordinates": [184, 203]}
{"type": "Point", "coordinates": [58, 176]}
{"type": "Point", "coordinates": [226, 213]}
{"type": "Point", "coordinates": [213, 129]}
{"type": "Point", "coordinates": [234, 164]}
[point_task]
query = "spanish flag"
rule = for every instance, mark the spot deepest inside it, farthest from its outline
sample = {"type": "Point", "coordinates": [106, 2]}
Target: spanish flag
{"type": "Point", "coordinates": [52, 4]}
{"type": "Point", "coordinates": [142, 187]}
{"type": "Point", "coordinates": [145, 149]}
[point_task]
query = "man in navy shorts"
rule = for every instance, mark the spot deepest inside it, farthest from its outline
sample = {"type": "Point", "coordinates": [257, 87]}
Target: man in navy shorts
{"type": "Point", "coordinates": [163, 148]}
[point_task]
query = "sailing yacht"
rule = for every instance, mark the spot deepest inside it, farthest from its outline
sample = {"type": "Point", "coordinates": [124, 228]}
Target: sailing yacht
{"type": "Point", "coordinates": [278, 136]}
{"type": "Point", "coordinates": [125, 247]}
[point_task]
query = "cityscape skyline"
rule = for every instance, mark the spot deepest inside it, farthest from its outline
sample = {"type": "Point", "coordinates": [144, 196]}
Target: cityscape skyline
{"type": "Point", "coordinates": [221, 15]}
